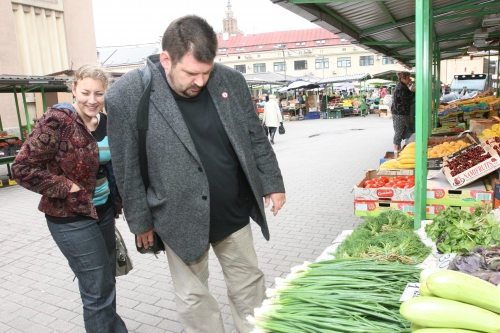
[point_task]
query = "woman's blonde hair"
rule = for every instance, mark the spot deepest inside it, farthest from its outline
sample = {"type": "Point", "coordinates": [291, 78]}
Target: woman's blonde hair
{"type": "Point", "coordinates": [91, 71]}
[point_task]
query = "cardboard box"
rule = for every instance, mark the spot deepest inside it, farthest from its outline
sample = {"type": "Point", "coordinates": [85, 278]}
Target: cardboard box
{"type": "Point", "coordinates": [477, 126]}
{"type": "Point", "coordinates": [374, 208]}
{"type": "Point", "coordinates": [373, 194]}
{"type": "Point", "coordinates": [480, 170]}
{"type": "Point", "coordinates": [439, 191]}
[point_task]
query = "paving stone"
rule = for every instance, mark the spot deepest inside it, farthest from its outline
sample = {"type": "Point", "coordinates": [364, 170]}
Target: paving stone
{"type": "Point", "coordinates": [319, 174]}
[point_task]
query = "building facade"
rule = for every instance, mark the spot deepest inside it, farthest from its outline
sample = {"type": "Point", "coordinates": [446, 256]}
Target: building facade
{"type": "Point", "coordinates": [310, 52]}
{"type": "Point", "coordinates": [41, 37]}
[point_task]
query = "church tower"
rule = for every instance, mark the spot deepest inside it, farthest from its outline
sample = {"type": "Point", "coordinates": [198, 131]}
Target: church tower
{"type": "Point", "coordinates": [229, 23]}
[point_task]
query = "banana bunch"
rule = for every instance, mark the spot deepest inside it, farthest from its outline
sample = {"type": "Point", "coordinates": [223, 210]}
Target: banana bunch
{"type": "Point", "coordinates": [347, 102]}
{"type": "Point", "coordinates": [389, 164]}
{"type": "Point", "coordinates": [490, 133]}
{"type": "Point", "coordinates": [406, 158]}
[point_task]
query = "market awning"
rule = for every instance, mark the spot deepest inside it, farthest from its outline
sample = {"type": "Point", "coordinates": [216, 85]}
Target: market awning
{"type": "Point", "coordinates": [388, 27]}
{"type": "Point", "coordinates": [9, 83]}
{"type": "Point", "coordinates": [268, 78]}
{"type": "Point", "coordinates": [345, 78]}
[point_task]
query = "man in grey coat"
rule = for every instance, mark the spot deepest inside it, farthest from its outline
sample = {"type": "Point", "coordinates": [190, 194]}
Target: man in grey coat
{"type": "Point", "coordinates": [210, 166]}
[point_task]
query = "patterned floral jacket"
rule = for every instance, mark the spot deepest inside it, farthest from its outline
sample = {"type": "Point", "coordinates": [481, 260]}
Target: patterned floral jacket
{"type": "Point", "coordinates": [59, 152]}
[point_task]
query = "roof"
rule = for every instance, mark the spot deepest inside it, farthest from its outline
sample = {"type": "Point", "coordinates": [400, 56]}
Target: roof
{"type": "Point", "coordinates": [269, 41]}
{"type": "Point", "coordinates": [125, 55]}
{"type": "Point", "coordinates": [33, 83]}
{"type": "Point", "coordinates": [388, 27]}
{"type": "Point", "coordinates": [268, 78]}
{"type": "Point", "coordinates": [344, 78]}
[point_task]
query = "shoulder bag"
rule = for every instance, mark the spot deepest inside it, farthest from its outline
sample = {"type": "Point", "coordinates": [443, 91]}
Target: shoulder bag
{"type": "Point", "coordinates": [123, 261]}
{"type": "Point", "coordinates": [142, 128]}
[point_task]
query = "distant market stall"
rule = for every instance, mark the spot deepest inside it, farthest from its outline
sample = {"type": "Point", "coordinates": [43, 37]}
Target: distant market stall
{"type": "Point", "coordinates": [19, 84]}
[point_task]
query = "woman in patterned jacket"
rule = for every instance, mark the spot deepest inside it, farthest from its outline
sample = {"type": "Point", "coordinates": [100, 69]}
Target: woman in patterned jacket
{"type": "Point", "coordinates": [401, 108]}
{"type": "Point", "coordinates": [66, 159]}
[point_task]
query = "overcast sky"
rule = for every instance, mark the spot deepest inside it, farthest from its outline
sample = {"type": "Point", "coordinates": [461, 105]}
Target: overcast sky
{"type": "Point", "coordinates": [130, 22]}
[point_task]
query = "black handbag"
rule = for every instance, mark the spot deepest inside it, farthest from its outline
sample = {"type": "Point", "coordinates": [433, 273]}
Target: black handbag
{"type": "Point", "coordinates": [266, 130]}
{"type": "Point", "coordinates": [281, 129]}
{"type": "Point", "coordinates": [157, 246]}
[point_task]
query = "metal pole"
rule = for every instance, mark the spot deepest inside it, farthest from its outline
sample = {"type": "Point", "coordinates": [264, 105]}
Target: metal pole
{"type": "Point", "coordinates": [423, 57]}
{"type": "Point", "coordinates": [44, 102]}
{"type": "Point", "coordinates": [434, 119]}
{"type": "Point", "coordinates": [488, 73]}
{"type": "Point", "coordinates": [18, 114]}
{"type": "Point", "coordinates": [498, 71]}
{"type": "Point", "coordinates": [28, 122]}
{"type": "Point", "coordinates": [284, 60]}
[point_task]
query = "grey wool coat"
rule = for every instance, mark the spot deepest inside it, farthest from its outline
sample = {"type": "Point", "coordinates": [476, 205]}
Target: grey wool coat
{"type": "Point", "coordinates": [177, 203]}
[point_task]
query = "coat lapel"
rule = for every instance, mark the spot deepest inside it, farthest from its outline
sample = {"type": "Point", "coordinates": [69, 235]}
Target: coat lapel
{"type": "Point", "coordinates": [164, 102]}
{"type": "Point", "coordinates": [223, 100]}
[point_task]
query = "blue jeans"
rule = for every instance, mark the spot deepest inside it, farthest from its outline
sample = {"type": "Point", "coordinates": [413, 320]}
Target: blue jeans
{"type": "Point", "coordinates": [90, 248]}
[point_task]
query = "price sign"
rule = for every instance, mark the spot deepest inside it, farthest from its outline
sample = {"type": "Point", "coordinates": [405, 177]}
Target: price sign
{"type": "Point", "coordinates": [411, 290]}
{"type": "Point", "coordinates": [444, 260]}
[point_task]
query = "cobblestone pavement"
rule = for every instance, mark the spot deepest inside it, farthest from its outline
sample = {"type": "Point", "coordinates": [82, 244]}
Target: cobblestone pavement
{"type": "Point", "coordinates": [320, 160]}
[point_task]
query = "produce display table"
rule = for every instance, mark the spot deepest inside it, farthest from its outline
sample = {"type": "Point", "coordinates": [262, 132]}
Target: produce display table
{"type": "Point", "coordinates": [7, 160]}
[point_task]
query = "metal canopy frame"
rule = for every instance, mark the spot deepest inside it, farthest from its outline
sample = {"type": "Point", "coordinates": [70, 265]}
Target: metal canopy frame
{"type": "Point", "coordinates": [417, 33]}
{"type": "Point", "coordinates": [389, 26]}
{"type": "Point", "coordinates": [23, 84]}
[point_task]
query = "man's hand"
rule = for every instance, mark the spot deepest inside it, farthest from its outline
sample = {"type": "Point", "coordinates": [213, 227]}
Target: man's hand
{"type": "Point", "coordinates": [145, 239]}
{"type": "Point", "coordinates": [278, 199]}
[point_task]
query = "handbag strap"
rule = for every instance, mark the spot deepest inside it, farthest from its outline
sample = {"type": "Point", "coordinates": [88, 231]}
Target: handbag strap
{"type": "Point", "coordinates": [143, 123]}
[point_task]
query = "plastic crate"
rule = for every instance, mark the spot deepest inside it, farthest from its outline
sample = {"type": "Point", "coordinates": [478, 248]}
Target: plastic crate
{"type": "Point", "coordinates": [4, 152]}
{"type": "Point", "coordinates": [14, 150]}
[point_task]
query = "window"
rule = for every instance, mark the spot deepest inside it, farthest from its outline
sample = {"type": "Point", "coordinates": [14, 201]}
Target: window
{"type": "Point", "coordinates": [388, 61]}
{"type": "Point", "coordinates": [303, 43]}
{"type": "Point", "coordinates": [322, 63]}
{"type": "Point", "coordinates": [240, 68]}
{"type": "Point", "coordinates": [344, 49]}
{"type": "Point", "coordinates": [343, 40]}
{"type": "Point", "coordinates": [300, 64]}
{"type": "Point", "coordinates": [297, 43]}
{"type": "Point", "coordinates": [366, 60]}
{"type": "Point", "coordinates": [320, 41]}
{"type": "Point", "coordinates": [260, 46]}
{"type": "Point", "coordinates": [223, 49]}
{"type": "Point", "coordinates": [259, 68]}
{"type": "Point", "coordinates": [279, 66]}
{"type": "Point", "coordinates": [344, 62]}
{"type": "Point", "coordinates": [240, 49]}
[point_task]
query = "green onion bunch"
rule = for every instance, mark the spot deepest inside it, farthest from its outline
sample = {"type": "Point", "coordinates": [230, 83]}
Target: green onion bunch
{"type": "Point", "coordinates": [341, 295]}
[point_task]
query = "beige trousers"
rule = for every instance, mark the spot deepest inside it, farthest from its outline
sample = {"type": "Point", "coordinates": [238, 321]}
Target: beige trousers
{"type": "Point", "coordinates": [198, 309]}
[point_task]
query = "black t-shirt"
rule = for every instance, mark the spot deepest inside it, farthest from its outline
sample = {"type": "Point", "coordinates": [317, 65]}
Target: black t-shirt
{"type": "Point", "coordinates": [230, 194]}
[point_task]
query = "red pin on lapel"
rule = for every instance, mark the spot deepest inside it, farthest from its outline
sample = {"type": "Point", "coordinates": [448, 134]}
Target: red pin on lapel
{"type": "Point", "coordinates": [224, 94]}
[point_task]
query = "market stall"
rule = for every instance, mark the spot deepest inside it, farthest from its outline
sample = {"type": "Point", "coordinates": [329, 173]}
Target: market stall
{"type": "Point", "coordinates": [19, 84]}
{"type": "Point", "coordinates": [345, 101]}
{"type": "Point", "coordinates": [429, 226]}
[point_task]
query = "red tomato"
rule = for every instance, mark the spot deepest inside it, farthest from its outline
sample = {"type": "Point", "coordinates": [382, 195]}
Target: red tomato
{"type": "Point", "coordinates": [389, 184]}
{"type": "Point", "coordinates": [400, 185]}
{"type": "Point", "coordinates": [408, 185]}
{"type": "Point", "coordinates": [384, 179]}
{"type": "Point", "coordinates": [402, 182]}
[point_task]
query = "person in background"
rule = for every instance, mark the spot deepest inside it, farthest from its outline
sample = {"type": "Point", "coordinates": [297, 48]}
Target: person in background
{"type": "Point", "coordinates": [211, 169]}
{"type": "Point", "coordinates": [66, 159]}
{"type": "Point", "coordinates": [401, 106]}
{"type": "Point", "coordinates": [272, 117]}
{"type": "Point", "coordinates": [383, 92]}
{"type": "Point", "coordinates": [301, 98]}
{"type": "Point", "coordinates": [324, 102]}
